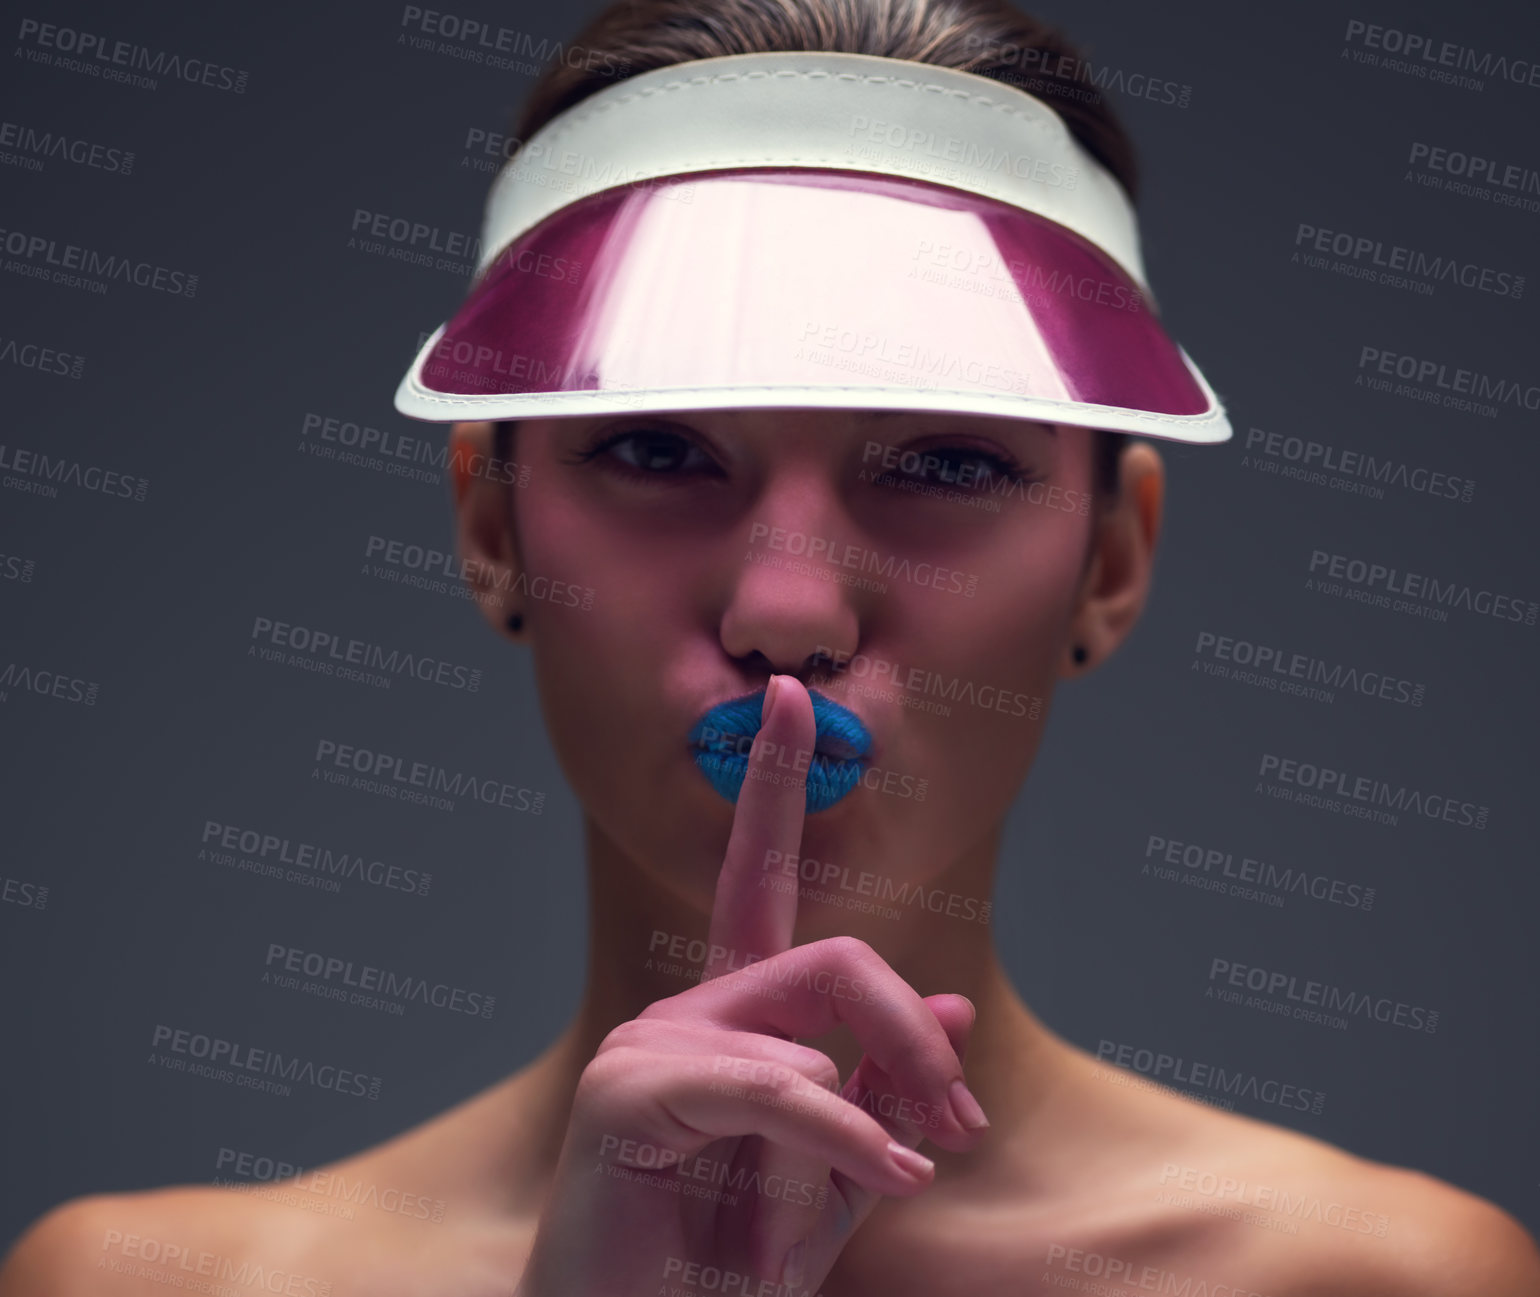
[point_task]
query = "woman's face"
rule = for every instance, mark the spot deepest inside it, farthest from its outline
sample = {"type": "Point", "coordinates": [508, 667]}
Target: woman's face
{"type": "Point", "coordinates": [928, 572]}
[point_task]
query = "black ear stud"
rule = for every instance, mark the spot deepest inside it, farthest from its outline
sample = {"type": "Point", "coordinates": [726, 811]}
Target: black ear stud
{"type": "Point", "coordinates": [1079, 654]}
{"type": "Point", "coordinates": [515, 621]}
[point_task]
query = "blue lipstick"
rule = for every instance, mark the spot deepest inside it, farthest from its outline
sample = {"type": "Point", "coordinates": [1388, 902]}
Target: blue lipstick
{"type": "Point", "coordinates": [725, 733]}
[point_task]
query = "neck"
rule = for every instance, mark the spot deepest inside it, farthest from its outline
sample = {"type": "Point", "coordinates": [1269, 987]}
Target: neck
{"type": "Point", "coordinates": [645, 942]}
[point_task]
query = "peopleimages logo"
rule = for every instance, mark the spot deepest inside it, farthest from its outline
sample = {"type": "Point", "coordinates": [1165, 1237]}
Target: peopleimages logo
{"type": "Point", "coordinates": [968, 152]}
{"type": "Point", "coordinates": [1485, 393]}
{"type": "Point", "coordinates": [1025, 280]}
{"type": "Point", "coordinates": [440, 572]}
{"type": "Point", "coordinates": [19, 892]}
{"type": "Point", "coordinates": [1432, 56]}
{"type": "Point", "coordinates": [1047, 71]}
{"type": "Point", "coordinates": [394, 990]}
{"type": "Point", "coordinates": [639, 1162]}
{"type": "Point", "coordinates": [47, 684]}
{"type": "Point", "coordinates": [924, 368]}
{"type": "Point", "coordinates": [1200, 862]}
{"type": "Point", "coordinates": [1368, 791]}
{"type": "Point", "coordinates": [858, 558]}
{"type": "Point", "coordinates": [1375, 583]}
{"type": "Point", "coordinates": [1171, 1069]}
{"type": "Point", "coordinates": [144, 1259]}
{"type": "Point", "coordinates": [1298, 994]}
{"type": "Point", "coordinates": [484, 45]}
{"type": "Point", "coordinates": [391, 446]}
{"type": "Point", "coordinates": [417, 242]}
{"type": "Point", "coordinates": [1473, 174]}
{"type": "Point", "coordinates": [1228, 1194]}
{"type": "Point", "coordinates": [1105, 1270]}
{"type": "Point", "coordinates": [1374, 259]}
{"type": "Point", "coordinates": [272, 852]}
{"type": "Point", "coordinates": [1359, 466]}
{"type": "Point", "coordinates": [846, 884]}
{"type": "Point", "coordinates": [912, 685]}
{"type": "Point", "coordinates": [895, 464]}
{"type": "Point", "coordinates": [390, 771]}
{"type": "Point", "coordinates": [330, 1192]}
{"type": "Point", "coordinates": [329, 654]}
{"type": "Point", "coordinates": [235, 1059]}
{"type": "Point", "coordinates": [1283, 670]}
{"type": "Point", "coordinates": [50, 468]}
{"type": "Point", "coordinates": [35, 145]}
{"type": "Point", "coordinates": [44, 360]}
{"type": "Point", "coordinates": [13, 567]}
{"type": "Point", "coordinates": [97, 269]}
{"type": "Point", "coordinates": [98, 56]}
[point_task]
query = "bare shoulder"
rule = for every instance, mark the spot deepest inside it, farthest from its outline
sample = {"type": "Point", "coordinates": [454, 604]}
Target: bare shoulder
{"type": "Point", "coordinates": [1236, 1205]}
{"type": "Point", "coordinates": [1438, 1240]}
{"type": "Point", "coordinates": [131, 1242]}
{"type": "Point", "coordinates": [1272, 1211]}
{"type": "Point", "coordinates": [410, 1215]}
{"type": "Point", "coordinates": [353, 1229]}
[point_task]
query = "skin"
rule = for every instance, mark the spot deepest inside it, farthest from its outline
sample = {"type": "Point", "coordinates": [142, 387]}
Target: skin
{"type": "Point", "coordinates": [1071, 1167]}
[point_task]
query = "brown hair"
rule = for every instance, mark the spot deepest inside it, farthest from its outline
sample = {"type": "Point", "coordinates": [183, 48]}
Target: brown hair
{"type": "Point", "coordinates": [985, 37]}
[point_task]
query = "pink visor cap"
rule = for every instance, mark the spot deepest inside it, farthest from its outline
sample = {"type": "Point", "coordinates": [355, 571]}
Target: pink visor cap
{"type": "Point", "coordinates": [810, 230]}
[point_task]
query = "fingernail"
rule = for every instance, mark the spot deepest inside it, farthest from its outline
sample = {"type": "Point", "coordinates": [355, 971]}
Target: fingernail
{"type": "Point", "coordinates": [909, 1162]}
{"type": "Point", "coordinates": [966, 1108]}
{"type": "Point", "coordinates": [766, 707]}
{"type": "Point", "coordinates": [794, 1270]}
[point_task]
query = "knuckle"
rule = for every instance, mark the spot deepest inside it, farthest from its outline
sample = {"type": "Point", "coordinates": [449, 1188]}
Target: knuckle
{"type": "Point", "coordinates": [818, 1067]}
{"type": "Point", "coordinates": [614, 1094]}
{"type": "Point", "coordinates": [786, 1081]}
{"type": "Point", "coordinates": [607, 1069]}
{"type": "Point", "coordinates": [765, 1076]}
{"type": "Point", "coordinates": [627, 1035]}
{"type": "Point", "coordinates": [657, 1009]}
{"type": "Point", "coordinates": [849, 949]}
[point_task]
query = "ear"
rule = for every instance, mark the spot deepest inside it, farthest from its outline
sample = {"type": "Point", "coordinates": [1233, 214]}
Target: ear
{"type": "Point", "coordinates": [1117, 577]}
{"type": "Point", "coordinates": [484, 533]}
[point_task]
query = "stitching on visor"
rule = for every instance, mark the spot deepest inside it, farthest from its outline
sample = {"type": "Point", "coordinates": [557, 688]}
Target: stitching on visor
{"type": "Point", "coordinates": [1040, 116]}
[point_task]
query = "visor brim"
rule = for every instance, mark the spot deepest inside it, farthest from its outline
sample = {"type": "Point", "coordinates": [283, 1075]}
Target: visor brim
{"type": "Point", "coordinates": [791, 288]}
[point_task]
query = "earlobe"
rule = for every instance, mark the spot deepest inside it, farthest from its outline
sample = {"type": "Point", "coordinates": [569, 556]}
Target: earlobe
{"type": "Point", "coordinates": [1073, 664]}
{"type": "Point", "coordinates": [1117, 577]}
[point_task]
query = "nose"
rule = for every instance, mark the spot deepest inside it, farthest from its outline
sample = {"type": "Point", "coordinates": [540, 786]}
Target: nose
{"type": "Point", "coordinates": [783, 608]}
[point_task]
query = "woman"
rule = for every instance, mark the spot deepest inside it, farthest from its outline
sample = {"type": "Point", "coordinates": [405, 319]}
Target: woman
{"type": "Point", "coordinates": [789, 987]}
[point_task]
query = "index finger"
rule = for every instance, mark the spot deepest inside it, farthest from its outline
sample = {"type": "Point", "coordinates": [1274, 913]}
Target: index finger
{"type": "Point", "coordinates": [747, 916]}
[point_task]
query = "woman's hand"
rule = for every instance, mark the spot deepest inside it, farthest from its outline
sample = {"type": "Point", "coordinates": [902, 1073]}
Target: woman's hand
{"type": "Point", "coordinates": [707, 1149]}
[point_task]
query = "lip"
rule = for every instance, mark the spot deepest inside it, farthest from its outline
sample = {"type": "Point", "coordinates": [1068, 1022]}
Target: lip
{"type": "Point", "coordinates": [721, 739]}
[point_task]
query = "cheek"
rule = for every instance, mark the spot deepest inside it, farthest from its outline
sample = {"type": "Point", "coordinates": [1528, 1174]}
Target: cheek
{"type": "Point", "coordinates": [982, 695]}
{"type": "Point", "coordinates": [587, 660]}
{"type": "Point", "coordinates": [1013, 627]}
{"type": "Point", "coordinates": [619, 683]}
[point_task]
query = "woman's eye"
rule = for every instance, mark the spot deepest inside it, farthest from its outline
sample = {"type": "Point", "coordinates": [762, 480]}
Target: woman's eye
{"type": "Point", "coordinates": [958, 466]}
{"type": "Point", "coordinates": [649, 453]}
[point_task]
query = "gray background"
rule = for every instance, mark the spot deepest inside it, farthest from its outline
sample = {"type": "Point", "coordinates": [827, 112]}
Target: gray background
{"type": "Point", "coordinates": [206, 396]}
